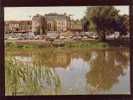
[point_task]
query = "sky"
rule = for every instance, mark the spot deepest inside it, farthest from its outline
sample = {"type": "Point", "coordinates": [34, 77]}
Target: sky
{"type": "Point", "coordinates": [26, 13]}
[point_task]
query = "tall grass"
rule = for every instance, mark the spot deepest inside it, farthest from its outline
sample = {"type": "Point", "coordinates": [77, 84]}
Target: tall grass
{"type": "Point", "coordinates": [27, 79]}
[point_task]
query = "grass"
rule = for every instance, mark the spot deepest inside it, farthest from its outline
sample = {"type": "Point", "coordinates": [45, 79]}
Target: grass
{"type": "Point", "coordinates": [78, 44]}
{"type": "Point", "coordinates": [24, 79]}
{"type": "Point", "coordinates": [21, 46]}
{"type": "Point", "coordinates": [92, 44]}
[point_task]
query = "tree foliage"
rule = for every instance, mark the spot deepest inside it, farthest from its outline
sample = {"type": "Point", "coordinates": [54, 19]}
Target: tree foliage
{"type": "Point", "coordinates": [106, 20]}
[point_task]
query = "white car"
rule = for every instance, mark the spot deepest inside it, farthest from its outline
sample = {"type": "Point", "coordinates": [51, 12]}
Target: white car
{"type": "Point", "coordinates": [62, 37]}
{"type": "Point", "coordinates": [52, 35]}
{"type": "Point", "coordinates": [12, 38]}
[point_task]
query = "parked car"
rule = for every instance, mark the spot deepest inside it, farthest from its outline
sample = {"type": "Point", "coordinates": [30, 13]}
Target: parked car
{"type": "Point", "coordinates": [12, 38]}
{"type": "Point", "coordinates": [30, 35]}
{"type": "Point", "coordinates": [37, 37]}
{"type": "Point", "coordinates": [76, 37]}
{"type": "Point", "coordinates": [94, 36]}
{"type": "Point", "coordinates": [20, 38]}
{"type": "Point", "coordinates": [52, 35]}
{"type": "Point", "coordinates": [113, 36]}
{"type": "Point", "coordinates": [62, 37]}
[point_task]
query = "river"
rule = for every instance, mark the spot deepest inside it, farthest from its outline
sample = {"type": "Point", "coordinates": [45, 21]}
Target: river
{"type": "Point", "coordinates": [77, 71]}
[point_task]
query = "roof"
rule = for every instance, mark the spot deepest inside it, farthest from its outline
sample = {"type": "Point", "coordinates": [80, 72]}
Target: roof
{"type": "Point", "coordinates": [18, 22]}
{"type": "Point", "coordinates": [52, 16]}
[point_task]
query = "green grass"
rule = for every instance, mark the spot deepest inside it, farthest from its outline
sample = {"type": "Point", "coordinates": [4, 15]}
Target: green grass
{"type": "Point", "coordinates": [21, 79]}
{"type": "Point", "coordinates": [21, 46]}
{"type": "Point", "coordinates": [78, 44]}
{"type": "Point", "coordinates": [93, 44]}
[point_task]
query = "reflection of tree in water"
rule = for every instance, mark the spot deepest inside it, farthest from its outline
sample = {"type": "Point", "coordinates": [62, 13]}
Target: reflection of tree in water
{"type": "Point", "coordinates": [106, 69]}
{"type": "Point", "coordinates": [59, 57]}
{"type": "Point", "coordinates": [40, 78]}
{"type": "Point", "coordinates": [51, 58]}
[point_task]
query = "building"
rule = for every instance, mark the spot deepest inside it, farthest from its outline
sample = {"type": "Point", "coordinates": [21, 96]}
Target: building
{"type": "Point", "coordinates": [50, 22]}
{"type": "Point", "coordinates": [76, 25]}
{"type": "Point", "coordinates": [18, 26]}
{"type": "Point", "coordinates": [58, 22]}
{"type": "Point", "coordinates": [39, 24]}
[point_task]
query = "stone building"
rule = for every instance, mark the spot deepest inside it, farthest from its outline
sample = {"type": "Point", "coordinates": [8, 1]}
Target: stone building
{"type": "Point", "coordinates": [50, 22]}
{"type": "Point", "coordinates": [57, 22]}
{"type": "Point", "coordinates": [39, 25]}
{"type": "Point", "coordinates": [18, 26]}
{"type": "Point", "coordinates": [76, 25]}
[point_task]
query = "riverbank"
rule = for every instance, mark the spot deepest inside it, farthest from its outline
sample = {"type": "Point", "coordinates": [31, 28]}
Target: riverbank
{"type": "Point", "coordinates": [29, 45]}
{"type": "Point", "coordinates": [48, 44]}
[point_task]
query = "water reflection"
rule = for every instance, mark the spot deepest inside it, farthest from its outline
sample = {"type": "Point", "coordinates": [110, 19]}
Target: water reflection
{"type": "Point", "coordinates": [84, 71]}
{"type": "Point", "coordinates": [59, 57]}
{"type": "Point", "coordinates": [106, 69]}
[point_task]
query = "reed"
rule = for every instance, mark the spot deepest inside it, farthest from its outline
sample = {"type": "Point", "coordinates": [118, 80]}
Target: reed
{"type": "Point", "coordinates": [28, 79]}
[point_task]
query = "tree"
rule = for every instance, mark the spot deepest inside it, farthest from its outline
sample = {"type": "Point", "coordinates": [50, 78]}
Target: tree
{"type": "Point", "coordinates": [85, 24]}
{"type": "Point", "coordinates": [126, 22]}
{"type": "Point", "coordinates": [55, 25]}
{"type": "Point", "coordinates": [124, 25]}
{"type": "Point", "coordinates": [103, 18]}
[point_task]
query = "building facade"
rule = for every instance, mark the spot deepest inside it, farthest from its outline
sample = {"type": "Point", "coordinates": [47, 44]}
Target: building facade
{"type": "Point", "coordinates": [18, 26]}
{"type": "Point", "coordinates": [76, 25]}
{"type": "Point", "coordinates": [50, 22]}
{"type": "Point", "coordinates": [39, 24]}
{"type": "Point", "coordinates": [58, 22]}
